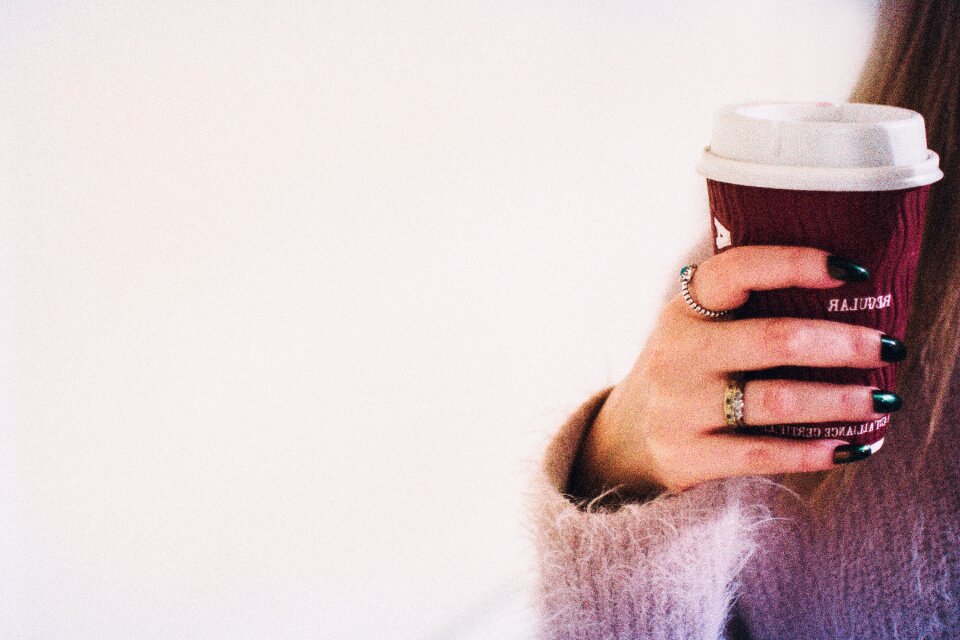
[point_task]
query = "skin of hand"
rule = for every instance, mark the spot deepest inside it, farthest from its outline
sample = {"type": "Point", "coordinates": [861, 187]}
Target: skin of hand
{"type": "Point", "coordinates": [662, 429]}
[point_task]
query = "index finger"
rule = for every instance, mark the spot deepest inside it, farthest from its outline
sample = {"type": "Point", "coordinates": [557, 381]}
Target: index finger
{"type": "Point", "coordinates": [725, 280]}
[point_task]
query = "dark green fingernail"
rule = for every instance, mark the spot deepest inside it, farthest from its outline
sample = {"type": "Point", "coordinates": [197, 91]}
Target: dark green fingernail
{"type": "Point", "coordinates": [891, 349]}
{"type": "Point", "coordinates": [846, 270]}
{"type": "Point", "coordinates": [886, 401]}
{"type": "Point", "coordinates": [851, 453]}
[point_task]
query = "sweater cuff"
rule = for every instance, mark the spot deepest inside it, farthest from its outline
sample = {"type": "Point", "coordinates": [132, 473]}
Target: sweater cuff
{"type": "Point", "coordinates": [562, 453]}
{"type": "Point", "coordinates": [666, 568]}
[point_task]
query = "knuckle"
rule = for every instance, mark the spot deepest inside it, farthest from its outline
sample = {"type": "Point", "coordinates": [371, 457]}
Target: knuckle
{"type": "Point", "coordinates": [778, 401]}
{"type": "Point", "coordinates": [796, 257]}
{"type": "Point", "coordinates": [787, 338]}
{"type": "Point", "coordinates": [759, 457]}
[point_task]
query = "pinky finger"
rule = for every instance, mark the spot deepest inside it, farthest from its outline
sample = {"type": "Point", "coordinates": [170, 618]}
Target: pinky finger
{"type": "Point", "coordinates": [732, 454]}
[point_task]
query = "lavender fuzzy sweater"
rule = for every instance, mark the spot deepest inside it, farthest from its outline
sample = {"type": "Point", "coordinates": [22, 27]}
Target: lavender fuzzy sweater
{"type": "Point", "coordinates": [746, 558]}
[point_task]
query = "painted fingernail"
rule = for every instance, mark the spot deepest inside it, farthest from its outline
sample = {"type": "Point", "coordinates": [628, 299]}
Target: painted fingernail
{"type": "Point", "coordinates": [886, 401]}
{"type": "Point", "coordinates": [846, 270]}
{"type": "Point", "coordinates": [851, 453]}
{"type": "Point", "coordinates": [891, 349]}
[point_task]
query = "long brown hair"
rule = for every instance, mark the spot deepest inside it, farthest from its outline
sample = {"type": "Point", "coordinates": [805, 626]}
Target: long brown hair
{"type": "Point", "coordinates": [915, 63]}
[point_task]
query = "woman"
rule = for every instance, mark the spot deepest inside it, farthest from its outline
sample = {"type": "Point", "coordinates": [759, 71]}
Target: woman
{"type": "Point", "coordinates": [648, 528]}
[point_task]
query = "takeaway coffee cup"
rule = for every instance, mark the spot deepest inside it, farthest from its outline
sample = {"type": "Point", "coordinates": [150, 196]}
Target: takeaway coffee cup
{"type": "Point", "coordinates": [852, 179]}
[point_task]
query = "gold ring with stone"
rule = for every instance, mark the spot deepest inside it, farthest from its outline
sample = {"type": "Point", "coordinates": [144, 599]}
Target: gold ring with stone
{"type": "Point", "coordinates": [733, 401]}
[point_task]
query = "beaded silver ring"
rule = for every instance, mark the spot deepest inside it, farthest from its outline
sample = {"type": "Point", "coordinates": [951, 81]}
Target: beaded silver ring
{"type": "Point", "coordinates": [686, 275]}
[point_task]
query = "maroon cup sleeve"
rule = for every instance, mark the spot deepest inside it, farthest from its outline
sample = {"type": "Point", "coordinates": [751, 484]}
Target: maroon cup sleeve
{"type": "Point", "coordinates": [880, 230]}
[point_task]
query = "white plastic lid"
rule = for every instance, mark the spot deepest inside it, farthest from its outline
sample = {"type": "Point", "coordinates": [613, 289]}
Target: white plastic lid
{"type": "Point", "coordinates": [820, 146]}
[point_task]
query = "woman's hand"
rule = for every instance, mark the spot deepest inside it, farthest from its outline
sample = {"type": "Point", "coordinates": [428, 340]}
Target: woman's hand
{"type": "Point", "coordinates": [662, 427]}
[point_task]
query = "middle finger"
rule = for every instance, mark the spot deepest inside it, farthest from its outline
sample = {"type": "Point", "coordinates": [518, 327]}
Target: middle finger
{"type": "Point", "coordinates": [763, 343]}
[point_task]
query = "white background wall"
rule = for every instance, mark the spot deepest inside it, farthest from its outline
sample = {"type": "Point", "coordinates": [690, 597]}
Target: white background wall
{"type": "Point", "coordinates": [293, 293]}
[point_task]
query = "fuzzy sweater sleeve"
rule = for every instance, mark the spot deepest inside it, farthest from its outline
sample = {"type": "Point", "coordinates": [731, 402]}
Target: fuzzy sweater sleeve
{"type": "Point", "coordinates": [665, 568]}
